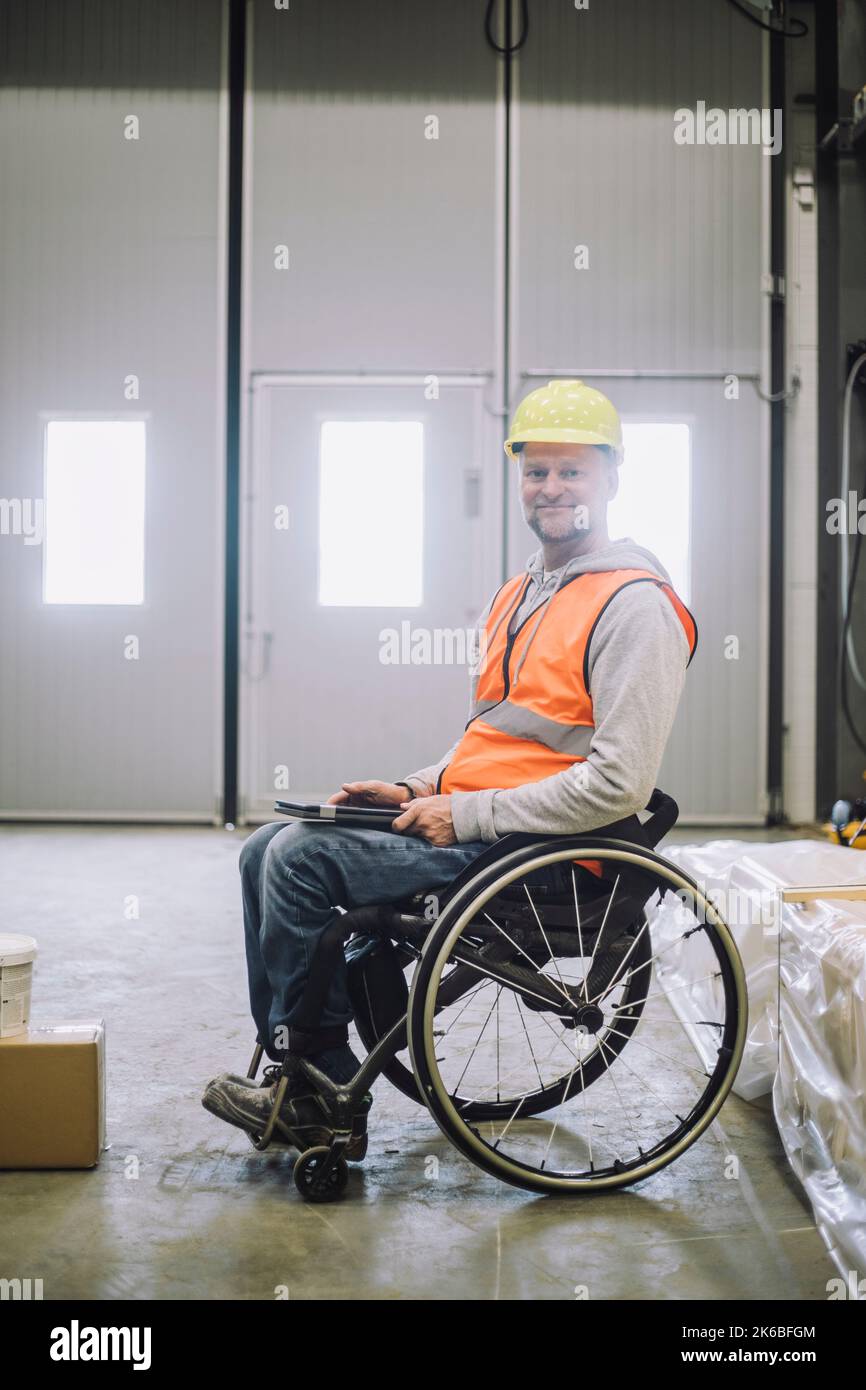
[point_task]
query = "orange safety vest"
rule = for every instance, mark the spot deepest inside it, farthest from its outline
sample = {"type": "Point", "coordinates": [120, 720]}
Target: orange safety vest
{"type": "Point", "coordinates": [543, 724]}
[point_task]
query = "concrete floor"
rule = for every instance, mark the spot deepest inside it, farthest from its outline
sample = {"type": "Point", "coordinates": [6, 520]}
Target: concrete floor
{"type": "Point", "coordinates": [206, 1217]}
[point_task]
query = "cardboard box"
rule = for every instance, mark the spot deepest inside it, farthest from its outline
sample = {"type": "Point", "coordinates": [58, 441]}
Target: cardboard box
{"type": "Point", "coordinates": [52, 1096]}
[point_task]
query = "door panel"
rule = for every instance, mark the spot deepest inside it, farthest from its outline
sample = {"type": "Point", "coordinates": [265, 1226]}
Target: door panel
{"type": "Point", "coordinates": [715, 761]}
{"type": "Point", "coordinates": [372, 161]}
{"type": "Point", "coordinates": [319, 700]}
{"type": "Point", "coordinates": [112, 275]}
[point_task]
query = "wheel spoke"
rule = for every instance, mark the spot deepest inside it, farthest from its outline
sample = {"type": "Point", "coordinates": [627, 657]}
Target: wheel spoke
{"type": "Point", "coordinates": [617, 977]}
{"type": "Point", "coordinates": [677, 1061]}
{"type": "Point", "coordinates": [686, 984]}
{"type": "Point", "coordinates": [544, 935]}
{"type": "Point", "coordinates": [528, 1039]}
{"type": "Point", "coordinates": [600, 934]}
{"type": "Point", "coordinates": [556, 1122]}
{"type": "Point", "coordinates": [622, 1106]}
{"type": "Point", "coordinates": [524, 989]}
{"type": "Point", "coordinates": [466, 1001]}
{"type": "Point", "coordinates": [524, 1095]}
{"type": "Point", "coordinates": [579, 933]}
{"type": "Point", "coordinates": [697, 1023]}
{"type": "Point", "coordinates": [477, 1041]}
{"type": "Point", "coordinates": [643, 1081]}
{"type": "Point", "coordinates": [533, 963]}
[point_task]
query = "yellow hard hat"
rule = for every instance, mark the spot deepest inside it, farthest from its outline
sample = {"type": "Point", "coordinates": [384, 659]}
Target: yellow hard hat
{"type": "Point", "coordinates": [566, 412]}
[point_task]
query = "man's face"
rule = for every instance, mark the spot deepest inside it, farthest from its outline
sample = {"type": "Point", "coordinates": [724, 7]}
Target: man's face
{"type": "Point", "coordinates": [565, 488]}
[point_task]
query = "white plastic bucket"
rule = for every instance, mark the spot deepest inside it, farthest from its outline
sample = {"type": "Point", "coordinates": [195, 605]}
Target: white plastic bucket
{"type": "Point", "coordinates": [17, 954]}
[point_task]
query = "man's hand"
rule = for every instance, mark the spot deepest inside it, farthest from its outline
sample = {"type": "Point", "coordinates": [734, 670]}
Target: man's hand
{"type": "Point", "coordinates": [368, 794]}
{"type": "Point", "coordinates": [428, 817]}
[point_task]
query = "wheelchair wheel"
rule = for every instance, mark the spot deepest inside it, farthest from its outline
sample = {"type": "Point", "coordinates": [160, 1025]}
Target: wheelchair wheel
{"type": "Point", "coordinates": [632, 1038]}
{"type": "Point", "coordinates": [550, 1092]}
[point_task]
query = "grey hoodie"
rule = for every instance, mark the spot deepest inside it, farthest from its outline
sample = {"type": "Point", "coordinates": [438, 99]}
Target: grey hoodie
{"type": "Point", "coordinates": [637, 664]}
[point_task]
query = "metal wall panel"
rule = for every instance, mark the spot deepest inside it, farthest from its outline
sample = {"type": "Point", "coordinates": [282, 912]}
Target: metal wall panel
{"type": "Point", "coordinates": [111, 266]}
{"type": "Point", "coordinates": [390, 234]}
{"type": "Point", "coordinates": [673, 231]}
{"type": "Point", "coordinates": [394, 270]}
{"type": "Point", "coordinates": [676, 238]}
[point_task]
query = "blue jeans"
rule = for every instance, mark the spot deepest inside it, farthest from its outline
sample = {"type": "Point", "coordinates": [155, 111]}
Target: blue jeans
{"type": "Point", "coordinates": [293, 877]}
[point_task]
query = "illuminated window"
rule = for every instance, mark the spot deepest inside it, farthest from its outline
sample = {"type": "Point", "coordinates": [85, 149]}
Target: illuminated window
{"type": "Point", "coordinates": [371, 513]}
{"type": "Point", "coordinates": [94, 511]}
{"type": "Point", "coordinates": [653, 504]}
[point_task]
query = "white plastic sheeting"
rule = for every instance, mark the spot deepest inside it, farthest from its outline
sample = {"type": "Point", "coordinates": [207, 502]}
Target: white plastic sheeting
{"type": "Point", "coordinates": [819, 1095]}
{"type": "Point", "coordinates": [741, 880]}
{"type": "Point", "coordinates": [817, 1072]}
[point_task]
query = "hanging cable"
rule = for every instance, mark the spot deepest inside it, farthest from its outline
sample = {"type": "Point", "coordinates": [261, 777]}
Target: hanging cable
{"type": "Point", "coordinates": [507, 49]}
{"type": "Point", "coordinates": [798, 33]}
{"type": "Point", "coordinates": [846, 628]}
{"type": "Point", "coordinates": [846, 482]}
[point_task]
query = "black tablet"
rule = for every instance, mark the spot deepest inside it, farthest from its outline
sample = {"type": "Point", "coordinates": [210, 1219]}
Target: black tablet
{"type": "Point", "coordinates": [369, 817]}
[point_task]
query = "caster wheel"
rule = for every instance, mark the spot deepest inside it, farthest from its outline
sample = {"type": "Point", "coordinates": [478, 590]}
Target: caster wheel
{"type": "Point", "coordinates": [308, 1180]}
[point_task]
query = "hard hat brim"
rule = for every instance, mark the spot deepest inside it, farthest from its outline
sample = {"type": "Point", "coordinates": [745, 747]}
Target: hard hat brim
{"type": "Point", "coordinates": [561, 436]}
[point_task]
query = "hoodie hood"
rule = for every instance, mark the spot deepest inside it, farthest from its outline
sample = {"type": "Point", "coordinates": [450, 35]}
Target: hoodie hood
{"type": "Point", "coordinates": [624, 554]}
{"type": "Point", "coordinates": [618, 555]}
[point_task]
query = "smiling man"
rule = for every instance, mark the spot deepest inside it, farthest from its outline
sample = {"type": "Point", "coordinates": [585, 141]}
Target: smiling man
{"type": "Point", "coordinates": [585, 654]}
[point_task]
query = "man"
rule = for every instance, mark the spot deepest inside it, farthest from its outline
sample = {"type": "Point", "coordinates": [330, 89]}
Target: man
{"type": "Point", "coordinates": [583, 663]}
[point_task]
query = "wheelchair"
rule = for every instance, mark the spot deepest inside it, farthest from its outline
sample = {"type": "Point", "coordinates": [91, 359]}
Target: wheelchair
{"type": "Point", "coordinates": [537, 1026]}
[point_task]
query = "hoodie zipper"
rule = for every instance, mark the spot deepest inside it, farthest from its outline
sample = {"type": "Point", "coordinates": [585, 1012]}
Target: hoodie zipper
{"type": "Point", "coordinates": [511, 638]}
{"type": "Point", "coordinates": [509, 644]}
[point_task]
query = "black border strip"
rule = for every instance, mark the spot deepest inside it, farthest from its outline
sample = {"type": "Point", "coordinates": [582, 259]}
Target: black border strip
{"type": "Point", "coordinates": [507, 464]}
{"type": "Point", "coordinates": [776, 538]}
{"type": "Point", "coordinates": [830, 379]}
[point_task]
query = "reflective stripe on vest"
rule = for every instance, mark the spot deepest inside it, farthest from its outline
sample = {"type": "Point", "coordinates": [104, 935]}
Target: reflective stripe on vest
{"type": "Point", "coordinates": [512, 718]}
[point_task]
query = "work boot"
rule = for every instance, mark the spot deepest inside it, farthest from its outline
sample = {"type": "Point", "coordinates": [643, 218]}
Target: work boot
{"type": "Point", "coordinates": [303, 1119]}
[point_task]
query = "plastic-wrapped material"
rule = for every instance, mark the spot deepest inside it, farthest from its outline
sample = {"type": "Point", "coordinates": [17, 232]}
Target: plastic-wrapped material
{"type": "Point", "coordinates": [819, 1096]}
{"type": "Point", "coordinates": [742, 878]}
{"type": "Point", "coordinates": [819, 1091]}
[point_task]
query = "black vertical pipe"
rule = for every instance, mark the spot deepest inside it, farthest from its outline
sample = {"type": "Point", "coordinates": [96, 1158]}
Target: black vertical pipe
{"type": "Point", "coordinates": [236, 72]}
{"type": "Point", "coordinates": [507, 465]}
{"type": "Point", "coordinates": [775, 719]}
{"type": "Point", "coordinates": [830, 376]}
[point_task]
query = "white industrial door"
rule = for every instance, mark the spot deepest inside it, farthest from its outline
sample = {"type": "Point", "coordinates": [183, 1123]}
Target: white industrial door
{"type": "Point", "coordinates": [700, 504]}
{"type": "Point", "coordinates": [355, 668]}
